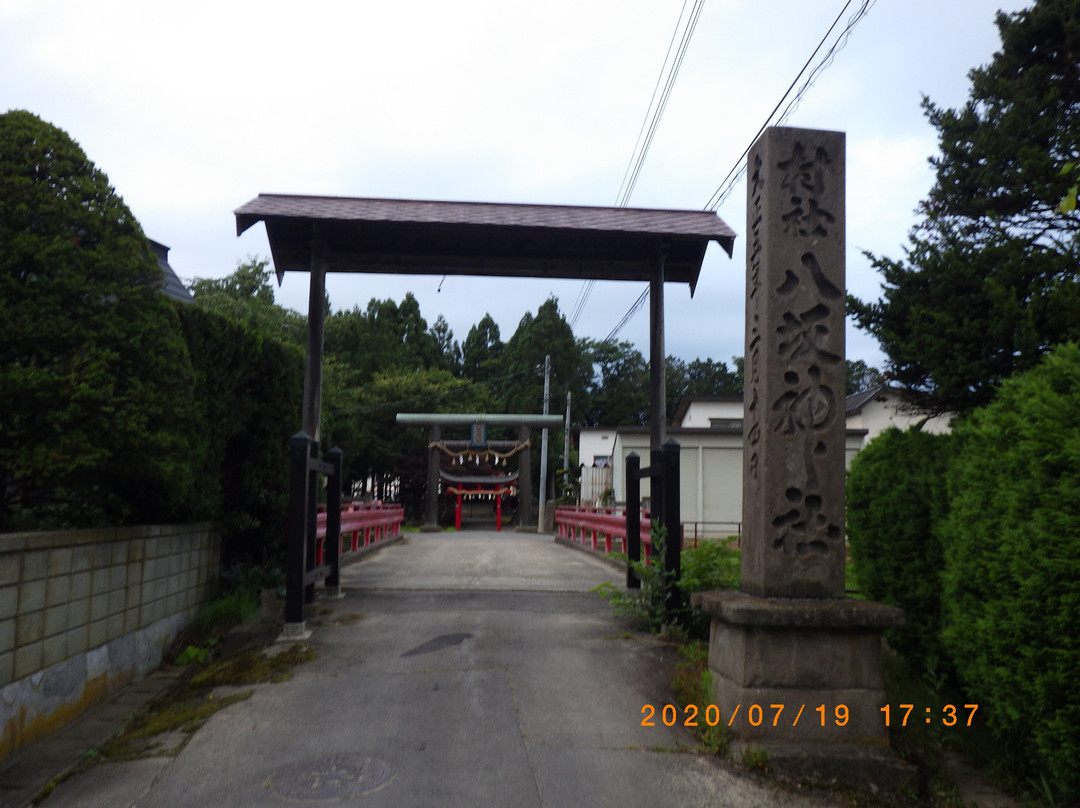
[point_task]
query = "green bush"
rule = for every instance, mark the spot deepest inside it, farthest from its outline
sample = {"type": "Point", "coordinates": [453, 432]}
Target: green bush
{"type": "Point", "coordinates": [1012, 578]}
{"type": "Point", "coordinates": [709, 566]}
{"type": "Point", "coordinates": [249, 390]}
{"type": "Point", "coordinates": [895, 497]}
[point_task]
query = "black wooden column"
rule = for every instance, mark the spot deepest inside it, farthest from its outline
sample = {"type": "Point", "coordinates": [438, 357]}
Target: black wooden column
{"type": "Point", "coordinates": [296, 540]}
{"type": "Point", "coordinates": [332, 544]}
{"type": "Point", "coordinates": [633, 518]}
{"type": "Point", "coordinates": [657, 360]}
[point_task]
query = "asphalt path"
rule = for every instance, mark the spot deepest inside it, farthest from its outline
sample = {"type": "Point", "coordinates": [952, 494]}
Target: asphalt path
{"type": "Point", "coordinates": [458, 669]}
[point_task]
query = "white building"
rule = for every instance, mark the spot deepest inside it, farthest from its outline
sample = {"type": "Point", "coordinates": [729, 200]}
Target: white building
{"type": "Point", "coordinates": [709, 432]}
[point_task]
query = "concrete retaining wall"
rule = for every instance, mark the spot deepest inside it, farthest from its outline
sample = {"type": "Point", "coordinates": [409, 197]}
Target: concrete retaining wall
{"type": "Point", "coordinates": [84, 612]}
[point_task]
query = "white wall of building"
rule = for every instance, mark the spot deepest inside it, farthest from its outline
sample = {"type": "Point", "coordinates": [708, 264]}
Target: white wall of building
{"type": "Point", "coordinates": [885, 410]}
{"type": "Point", "coordinates": [710, 466]}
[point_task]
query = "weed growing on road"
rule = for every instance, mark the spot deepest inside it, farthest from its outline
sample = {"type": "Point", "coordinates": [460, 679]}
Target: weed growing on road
{"type": "Point", "coordinates": [693, 685]}
{"type": "Point", "coordinates": [755, 758]}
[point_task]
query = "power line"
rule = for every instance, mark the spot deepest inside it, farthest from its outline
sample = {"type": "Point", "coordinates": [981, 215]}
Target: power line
{"type": "Point", "coordinates": [626, 317]}
{"type": "Point", "coordinates": [737, 170]}
{"type": "Point", "coordinates": [649, 125]}
{"type": "Point", "coordinates": [656, 109]}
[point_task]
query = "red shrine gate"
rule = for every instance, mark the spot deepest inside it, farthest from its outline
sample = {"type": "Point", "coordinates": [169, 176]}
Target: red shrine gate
{"type": "Point", "coordinates": [478, 487]}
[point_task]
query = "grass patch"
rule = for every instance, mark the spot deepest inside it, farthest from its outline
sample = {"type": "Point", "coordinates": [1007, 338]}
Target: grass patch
{"type": "Point", "coordinates": [755, 758]}
{"type": "Point", "coordinates": [693, 685]}
{"type": "Point", "coordinates": [186, 716]}
{"type": "Point", "coordinates": [189, 703]}
{"type": "Point", "coordinates": [218, 616]}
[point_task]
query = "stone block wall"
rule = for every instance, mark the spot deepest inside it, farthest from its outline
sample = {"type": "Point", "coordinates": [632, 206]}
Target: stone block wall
{"type": "Point", "coordinates": [83, 612]}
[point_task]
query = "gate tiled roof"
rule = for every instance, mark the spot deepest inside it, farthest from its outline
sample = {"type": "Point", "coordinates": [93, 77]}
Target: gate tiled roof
{"type": "Point", "coordinates": [482, 238]}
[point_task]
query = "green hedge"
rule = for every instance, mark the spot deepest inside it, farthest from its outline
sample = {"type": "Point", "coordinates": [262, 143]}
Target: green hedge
{"type": "Point", "coordinates": [248, 389]}
{"type": "Point", "coordinates": [1012, 576]}
{"type": "Point", "coordinates": [895, 497]}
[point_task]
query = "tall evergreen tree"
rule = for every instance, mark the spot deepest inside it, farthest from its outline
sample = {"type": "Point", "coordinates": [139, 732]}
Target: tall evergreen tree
{"type": "Point", "coordinates": [990, 280]}
{"type": "Point", "coordinates": [481, 354]}
{"type": "Point", "coordinates": [521, 385]}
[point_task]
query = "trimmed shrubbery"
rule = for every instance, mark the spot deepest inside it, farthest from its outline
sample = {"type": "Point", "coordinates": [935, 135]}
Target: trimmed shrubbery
{"type": "Point", "coordinates": [120, 405]}
{"type": "Point", "coordinates": [1012, 564]}
{"type": "Point", "coordinates": [249, 389]}
{"type": "Point", "coordinates": [977, 537]}
{"type": "Point", "coordinates": [895, 497]}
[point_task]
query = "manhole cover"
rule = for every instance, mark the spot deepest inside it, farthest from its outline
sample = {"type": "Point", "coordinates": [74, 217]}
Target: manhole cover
{"type": "Point", "coordinates": [337, 777]}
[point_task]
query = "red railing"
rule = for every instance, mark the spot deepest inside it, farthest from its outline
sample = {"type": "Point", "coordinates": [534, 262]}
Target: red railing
{"type": "Point", "coordinates": [362, 524]}
{"type": "Point", "coordinates": [586, 525]}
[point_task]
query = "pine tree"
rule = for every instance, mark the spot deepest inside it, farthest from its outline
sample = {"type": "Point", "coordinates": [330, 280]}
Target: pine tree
{"type": "Point", "coordinates": [989, 283]}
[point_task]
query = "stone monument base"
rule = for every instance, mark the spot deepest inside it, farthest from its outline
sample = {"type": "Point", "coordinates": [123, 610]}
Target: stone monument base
{"type": "Point", "coordinates": [802, 678]}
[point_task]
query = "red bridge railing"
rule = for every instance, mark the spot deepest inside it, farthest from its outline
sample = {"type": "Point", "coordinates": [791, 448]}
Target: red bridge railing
{"type": "Point", "coordinates": [362, 524]}
{"type": "Point", "coordinates": [591, 526]}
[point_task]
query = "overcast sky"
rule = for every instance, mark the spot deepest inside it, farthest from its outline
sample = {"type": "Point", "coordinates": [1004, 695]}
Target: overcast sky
{"type": "Point", "coordinates": [194, 108]}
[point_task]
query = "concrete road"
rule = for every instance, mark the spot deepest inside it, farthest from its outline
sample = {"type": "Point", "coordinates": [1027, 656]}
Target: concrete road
{"type": "Point", "coordinates": [459, 669]}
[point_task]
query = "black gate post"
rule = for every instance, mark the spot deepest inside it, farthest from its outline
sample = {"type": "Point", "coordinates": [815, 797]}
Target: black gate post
{"type": "Point", "coordinates": [312, 521]}
{"type": "Point", "coordinates": [671, 517]}
{"type": "Point", "coordinates": [296, 539]}
{"type": "Point", "coordinates": [633, 518]}
{"type": "Point", "coordinates": [332, 544]}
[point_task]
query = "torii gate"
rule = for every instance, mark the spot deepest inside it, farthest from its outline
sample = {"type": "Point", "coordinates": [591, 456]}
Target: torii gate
{"type": "Point", "coordinates": [438, 420]}
{"type": "Point", "coordinates": [317, 234]}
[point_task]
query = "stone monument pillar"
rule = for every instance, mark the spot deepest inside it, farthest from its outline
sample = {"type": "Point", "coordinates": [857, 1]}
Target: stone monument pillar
{"type": "Point", "coordinates": [789, 645]}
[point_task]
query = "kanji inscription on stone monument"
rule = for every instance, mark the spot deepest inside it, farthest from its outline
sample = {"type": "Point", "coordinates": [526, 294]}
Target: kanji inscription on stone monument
{"type": "Point", "coordinates": [794, 425]}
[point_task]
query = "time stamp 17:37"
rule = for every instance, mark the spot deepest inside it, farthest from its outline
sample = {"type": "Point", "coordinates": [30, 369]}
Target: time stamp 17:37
{"type": "Point", "coordinates": [756, 715]}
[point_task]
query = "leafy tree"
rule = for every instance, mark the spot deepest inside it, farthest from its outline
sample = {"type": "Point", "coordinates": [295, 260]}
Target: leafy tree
{"type": "Point", "coordinates": [701, 377]}
{"type": "Point", "coordinates": [361, 419]}
{"type": "Point", "coordinates": [860, 376]}
{"type": "Point", "coordinates": [248, 390]}
{"type": "Point", "coordinates": [619, 392]}
{"type": "Point", "coordinates": [704, 377]}
{"type": "Point", "coordinates": [989, 282]}
{"type": "Point", "coordinates": [246, 297]}
{"type": "Point", "coordinates": [95, 376]}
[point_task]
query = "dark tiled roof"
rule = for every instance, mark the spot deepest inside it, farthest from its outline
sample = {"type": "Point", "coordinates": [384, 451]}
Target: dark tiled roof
{"type": "Point", "coordinates": [856, 401]}
{"type": "Point", "coordinates": [563, 217]}
{"type": "Point", "coordinates": [481, 238]}
{"type": "Point", "coordinates": [171, 285]}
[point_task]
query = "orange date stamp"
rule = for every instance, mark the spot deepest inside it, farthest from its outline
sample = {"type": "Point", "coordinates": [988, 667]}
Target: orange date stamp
{"type": "Point", "coordinates": [756, 715]}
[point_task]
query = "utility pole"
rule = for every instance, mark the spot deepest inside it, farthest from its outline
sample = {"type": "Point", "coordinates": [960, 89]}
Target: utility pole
{"type": "Point", "coordinates": [544, 449]}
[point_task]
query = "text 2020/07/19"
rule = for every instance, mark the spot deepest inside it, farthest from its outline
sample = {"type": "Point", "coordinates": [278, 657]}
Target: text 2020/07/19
{"type": "Point", "coordinates": [756, 715]}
